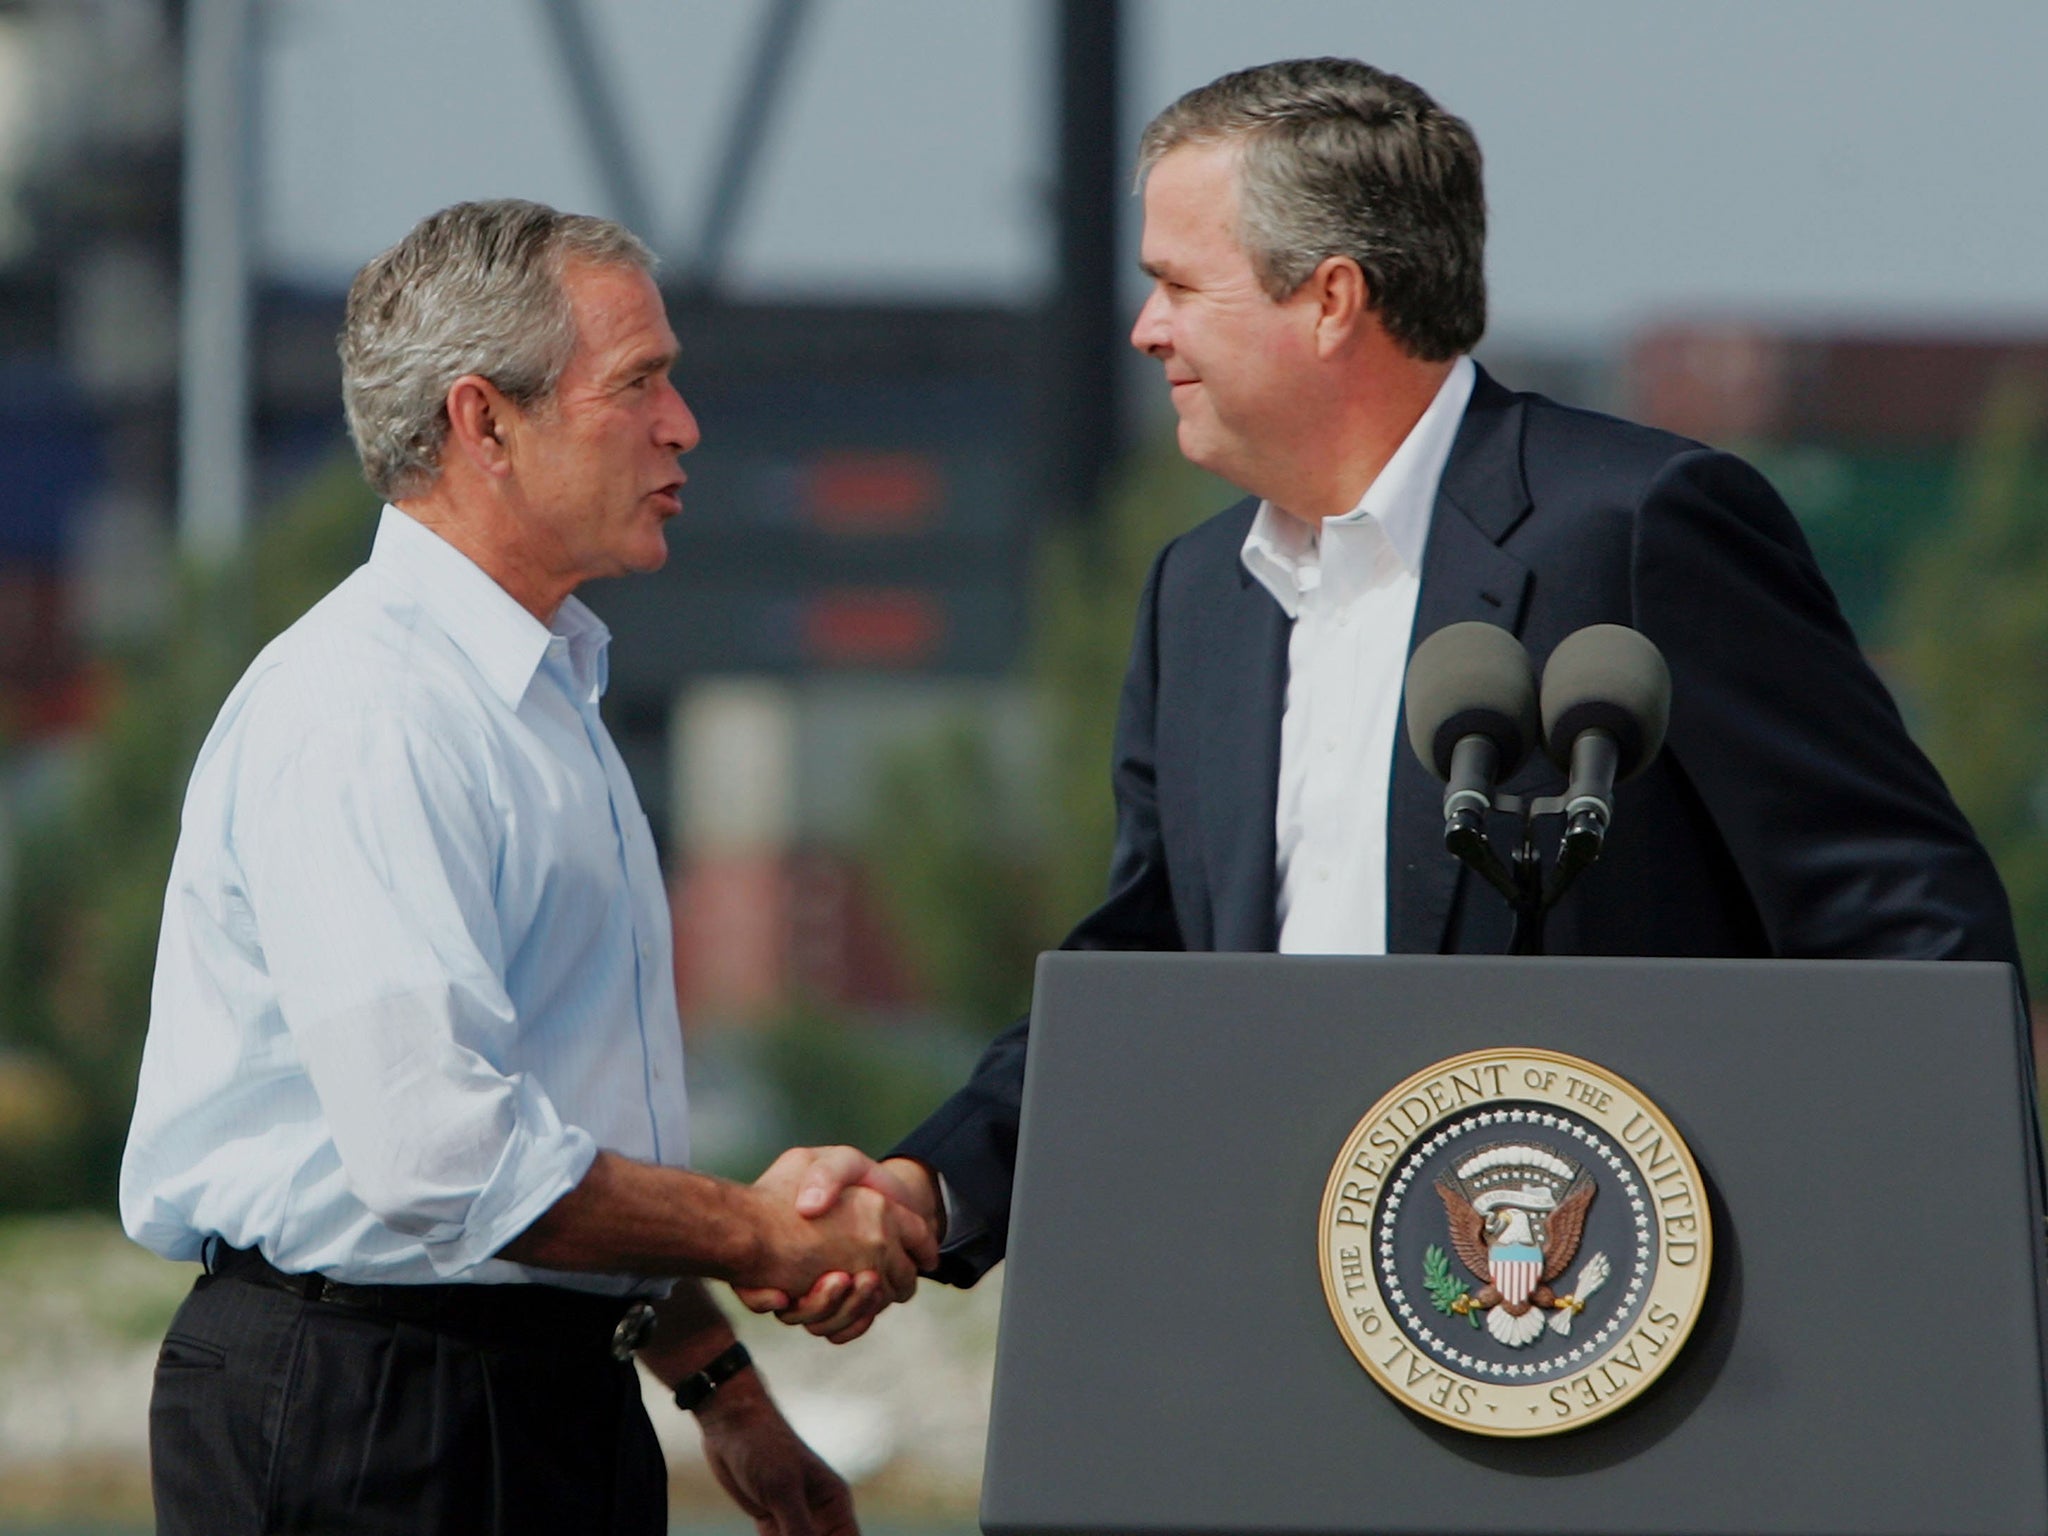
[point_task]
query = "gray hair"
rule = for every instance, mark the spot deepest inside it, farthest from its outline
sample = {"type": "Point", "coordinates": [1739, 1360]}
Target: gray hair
{"type": "Point", "coordinates": [1336, 158]}
{"type": "Point", "coordinates": [476, 288]}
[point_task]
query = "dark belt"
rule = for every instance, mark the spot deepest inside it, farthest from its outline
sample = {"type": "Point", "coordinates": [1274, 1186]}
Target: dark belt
{"type": "Point", "coordinates": [545, 1317]}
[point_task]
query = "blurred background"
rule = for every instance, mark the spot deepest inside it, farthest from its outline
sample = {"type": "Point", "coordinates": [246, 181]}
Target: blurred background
{"type": "Point", "coordinates": [867, 703]}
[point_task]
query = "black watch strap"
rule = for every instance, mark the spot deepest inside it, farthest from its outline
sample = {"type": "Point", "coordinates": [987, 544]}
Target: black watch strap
{"type": "Point", "coordinates": [693, 1392]}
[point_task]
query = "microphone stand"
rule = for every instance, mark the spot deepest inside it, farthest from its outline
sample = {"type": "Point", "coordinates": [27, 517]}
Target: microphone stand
{"type": "Point", "coordinates": [1521, 880]}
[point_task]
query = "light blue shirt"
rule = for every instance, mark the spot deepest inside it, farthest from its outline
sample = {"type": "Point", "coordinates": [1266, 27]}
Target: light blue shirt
{"type": "Point", "coordinates": [415, 965]}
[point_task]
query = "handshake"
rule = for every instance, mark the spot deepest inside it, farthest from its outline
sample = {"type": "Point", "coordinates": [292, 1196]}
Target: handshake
{"type": "Point", "coordinates": [846, 1237]}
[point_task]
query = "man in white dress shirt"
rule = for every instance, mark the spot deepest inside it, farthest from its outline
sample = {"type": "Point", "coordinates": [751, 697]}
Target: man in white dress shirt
{"type": "Point", "coordinates": [413, 1087]}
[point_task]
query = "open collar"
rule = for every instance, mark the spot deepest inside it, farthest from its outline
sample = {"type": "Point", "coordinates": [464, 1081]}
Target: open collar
{"type": "Point", "coordinates": [504, 642]}
{"type": "Point", "coordinates": [1283, 552]}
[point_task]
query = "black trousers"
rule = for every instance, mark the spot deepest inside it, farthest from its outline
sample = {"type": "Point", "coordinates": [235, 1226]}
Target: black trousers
{"type": "Point", "coordinates": [272, 1413]}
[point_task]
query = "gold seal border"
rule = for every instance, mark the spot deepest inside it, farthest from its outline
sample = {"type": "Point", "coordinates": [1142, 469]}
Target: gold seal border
{"type": "Point", "coordinates": [1563, 1403]}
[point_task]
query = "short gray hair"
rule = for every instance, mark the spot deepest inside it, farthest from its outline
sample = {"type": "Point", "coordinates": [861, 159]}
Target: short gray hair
{"type": "Point", "coordinates": [1336, 158]}
{"type": "Point", "coordinates": [476, 288]}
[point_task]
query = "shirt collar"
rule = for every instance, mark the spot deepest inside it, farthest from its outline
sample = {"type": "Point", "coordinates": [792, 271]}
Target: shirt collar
{"type": "Point", "coordinates": [589, 645]}
{"type": "Point", "coordinates": [501, 639]}
{"type": "Point", "coordinates": [1283, 552]}
{"type": "Point", "coordinates": [1280, 551]}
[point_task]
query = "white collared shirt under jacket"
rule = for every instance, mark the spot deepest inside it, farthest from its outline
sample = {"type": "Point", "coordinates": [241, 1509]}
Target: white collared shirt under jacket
{"type": "Point", "coordinates": [1350, 586]}
{"type": "Point", "coordinates": [415, 961]}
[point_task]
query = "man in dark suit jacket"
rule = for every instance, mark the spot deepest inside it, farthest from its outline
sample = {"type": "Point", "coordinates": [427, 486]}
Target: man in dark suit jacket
{"type": "Point", "coordinates": [1314, 231]}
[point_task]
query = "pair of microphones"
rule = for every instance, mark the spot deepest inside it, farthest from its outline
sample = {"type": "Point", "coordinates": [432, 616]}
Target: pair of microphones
{"type": "Point", "coordinates": [1476, 715]}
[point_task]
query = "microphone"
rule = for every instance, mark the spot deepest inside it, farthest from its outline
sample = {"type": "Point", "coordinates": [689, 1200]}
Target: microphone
{"type": "Point", "coordinates": [1470, 701]}
{"type": "Point", "coordinates": [1606, 703]}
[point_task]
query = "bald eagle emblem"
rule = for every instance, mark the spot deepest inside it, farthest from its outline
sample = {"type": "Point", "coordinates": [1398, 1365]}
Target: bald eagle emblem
{"type": "Point", "coordinates": [1516, 1213]}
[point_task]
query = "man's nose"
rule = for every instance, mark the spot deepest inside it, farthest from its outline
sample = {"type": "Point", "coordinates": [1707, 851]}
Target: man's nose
{"type": "Point", "coordinates": [1149, 331]}
{"type": "Point", "coordinates": [679, 429]}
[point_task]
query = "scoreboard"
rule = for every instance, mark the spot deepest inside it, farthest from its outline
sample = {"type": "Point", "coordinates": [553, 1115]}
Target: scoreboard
{"type": "Point", "coordinates": [864, 500]}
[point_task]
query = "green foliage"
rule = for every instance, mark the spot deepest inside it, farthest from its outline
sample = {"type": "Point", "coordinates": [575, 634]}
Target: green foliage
{"type": "Point", "coordinates": [957, 875]}
{"type": "Point", "coordinates": [1445, 1289]}
{"type": "Point", "coordinates": [1086, 603]}
{"type": "Point", "coordinates": [1974, 649]}
{"type": "Point", "coordinates": [73, 1282]}
{"type": "Point", "coordinates": [979, 869]}
{"type": "Point", "coordinates": [839, 1083]}
{"type": "Point", "coordinates": [300, 554]}
{"type": "Point", "coordinates": [79, 945]}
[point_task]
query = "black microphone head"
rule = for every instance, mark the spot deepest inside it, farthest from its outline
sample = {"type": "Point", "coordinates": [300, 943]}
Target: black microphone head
{"type": "Point", "coordinates": [1612, 678]}
{"type": "Point", "coordinates": [1471, 680]}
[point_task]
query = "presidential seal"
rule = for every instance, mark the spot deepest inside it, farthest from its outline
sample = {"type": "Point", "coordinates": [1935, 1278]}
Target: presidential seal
{"type": "Point", "coordinates": [1515, 1242]}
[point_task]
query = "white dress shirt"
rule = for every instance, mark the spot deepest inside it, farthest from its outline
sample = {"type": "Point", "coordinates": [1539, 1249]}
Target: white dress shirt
{"type": "Point", "coordinates": [415, 960]}
{"type": "Point", "coordinates": [1350, 587]}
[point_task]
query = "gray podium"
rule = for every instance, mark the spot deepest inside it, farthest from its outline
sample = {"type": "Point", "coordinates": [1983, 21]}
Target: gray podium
{"type": "Point", "coordinates": [1871, 1355]}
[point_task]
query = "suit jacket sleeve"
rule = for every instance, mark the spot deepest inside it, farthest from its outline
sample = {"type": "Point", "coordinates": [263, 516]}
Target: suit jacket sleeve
{"type": "Point", "coordinates": [1844, 833]}
{"type": "Point", "coordinates": [971, 1139]}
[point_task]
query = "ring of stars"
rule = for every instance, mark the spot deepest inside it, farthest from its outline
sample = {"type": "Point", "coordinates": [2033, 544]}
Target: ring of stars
{"type": "Point", "coordinates": [1582, 1348]}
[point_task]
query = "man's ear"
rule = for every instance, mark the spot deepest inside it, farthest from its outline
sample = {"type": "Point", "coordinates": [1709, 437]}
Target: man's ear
{"type": "Point", "coordinates": [479, 419]}
{"type": "Point", "coordinates": [1343, 303]}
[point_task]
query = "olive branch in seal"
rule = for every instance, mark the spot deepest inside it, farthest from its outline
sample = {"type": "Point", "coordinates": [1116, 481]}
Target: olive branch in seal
{"type": "Point", "coordinates": [1446, 1292]}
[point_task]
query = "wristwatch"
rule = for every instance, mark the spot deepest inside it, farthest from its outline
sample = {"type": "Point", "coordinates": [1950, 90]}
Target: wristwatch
{"type": "Point", "coordinates": [694, 1391]}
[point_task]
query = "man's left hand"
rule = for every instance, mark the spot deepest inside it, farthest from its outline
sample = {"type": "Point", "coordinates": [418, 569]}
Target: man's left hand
{"type": "Point", "coordinates": [771, 1474]}
{"type": "Point", "coordinates": [757, 1458]}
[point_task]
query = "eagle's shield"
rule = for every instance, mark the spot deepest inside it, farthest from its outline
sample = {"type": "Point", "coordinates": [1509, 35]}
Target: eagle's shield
{"type": "Point", "coordinates": [1514, 1269]}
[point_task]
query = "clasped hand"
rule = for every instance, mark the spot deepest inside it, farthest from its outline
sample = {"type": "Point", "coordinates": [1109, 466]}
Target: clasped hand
{"type": "Point", "coordinates": [831, 1188]}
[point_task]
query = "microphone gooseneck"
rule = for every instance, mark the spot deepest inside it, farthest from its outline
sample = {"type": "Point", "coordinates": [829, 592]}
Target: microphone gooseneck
{"type": "Point", "coordinates": [1474, 715]}
{"type": "Point", "coordinates": [1606, 704]}
{"type": "Point", "coordinates": [1470, 703]}
{"type": "Point", "coordinates": [1589, 795]}
{"type": "Point", "coordinates": [1475, 765]}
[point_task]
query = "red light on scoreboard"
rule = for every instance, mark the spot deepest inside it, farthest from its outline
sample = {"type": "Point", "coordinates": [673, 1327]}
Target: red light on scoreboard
{"type": "Point", "coordinates": [876, 628]}
{"type": "Point", "coordinates": [873, 492]}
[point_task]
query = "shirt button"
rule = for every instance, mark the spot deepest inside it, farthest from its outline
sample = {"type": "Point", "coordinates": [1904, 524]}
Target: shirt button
{"type": "Point", "coordinates": [1323, 873]}
{"type": "Point", "coordinates": [1343, 618]}
{"type": "Point", "coordinates": [1329, 743]}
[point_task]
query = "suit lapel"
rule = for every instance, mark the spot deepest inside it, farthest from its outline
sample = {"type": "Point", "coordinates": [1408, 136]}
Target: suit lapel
{"type": "Point", "coordinates": [1465, 575]}
{"type": "Point", "coordinates": [1247, 649]}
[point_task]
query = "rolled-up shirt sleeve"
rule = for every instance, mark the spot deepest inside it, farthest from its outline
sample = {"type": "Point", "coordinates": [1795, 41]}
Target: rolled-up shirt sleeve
{"type": "Point", "coordinates": [370, 857]}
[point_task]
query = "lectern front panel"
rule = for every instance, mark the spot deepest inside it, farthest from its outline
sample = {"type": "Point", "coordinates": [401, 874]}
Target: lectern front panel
{"type": "Point", "coordinates": [1869, 1359]}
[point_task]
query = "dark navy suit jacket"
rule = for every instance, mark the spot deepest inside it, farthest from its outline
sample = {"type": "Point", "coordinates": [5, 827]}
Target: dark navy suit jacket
{"type": "Point", "coordinates": [1789, 814]}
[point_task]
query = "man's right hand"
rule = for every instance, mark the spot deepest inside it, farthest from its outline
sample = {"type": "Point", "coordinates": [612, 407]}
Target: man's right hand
{"type": "Point", "coordinates": [841, 1305]}
{"type": "Point", "coordinates": [849, 1240]}
{"type": "Point", "coordinates": [826, 1226]}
